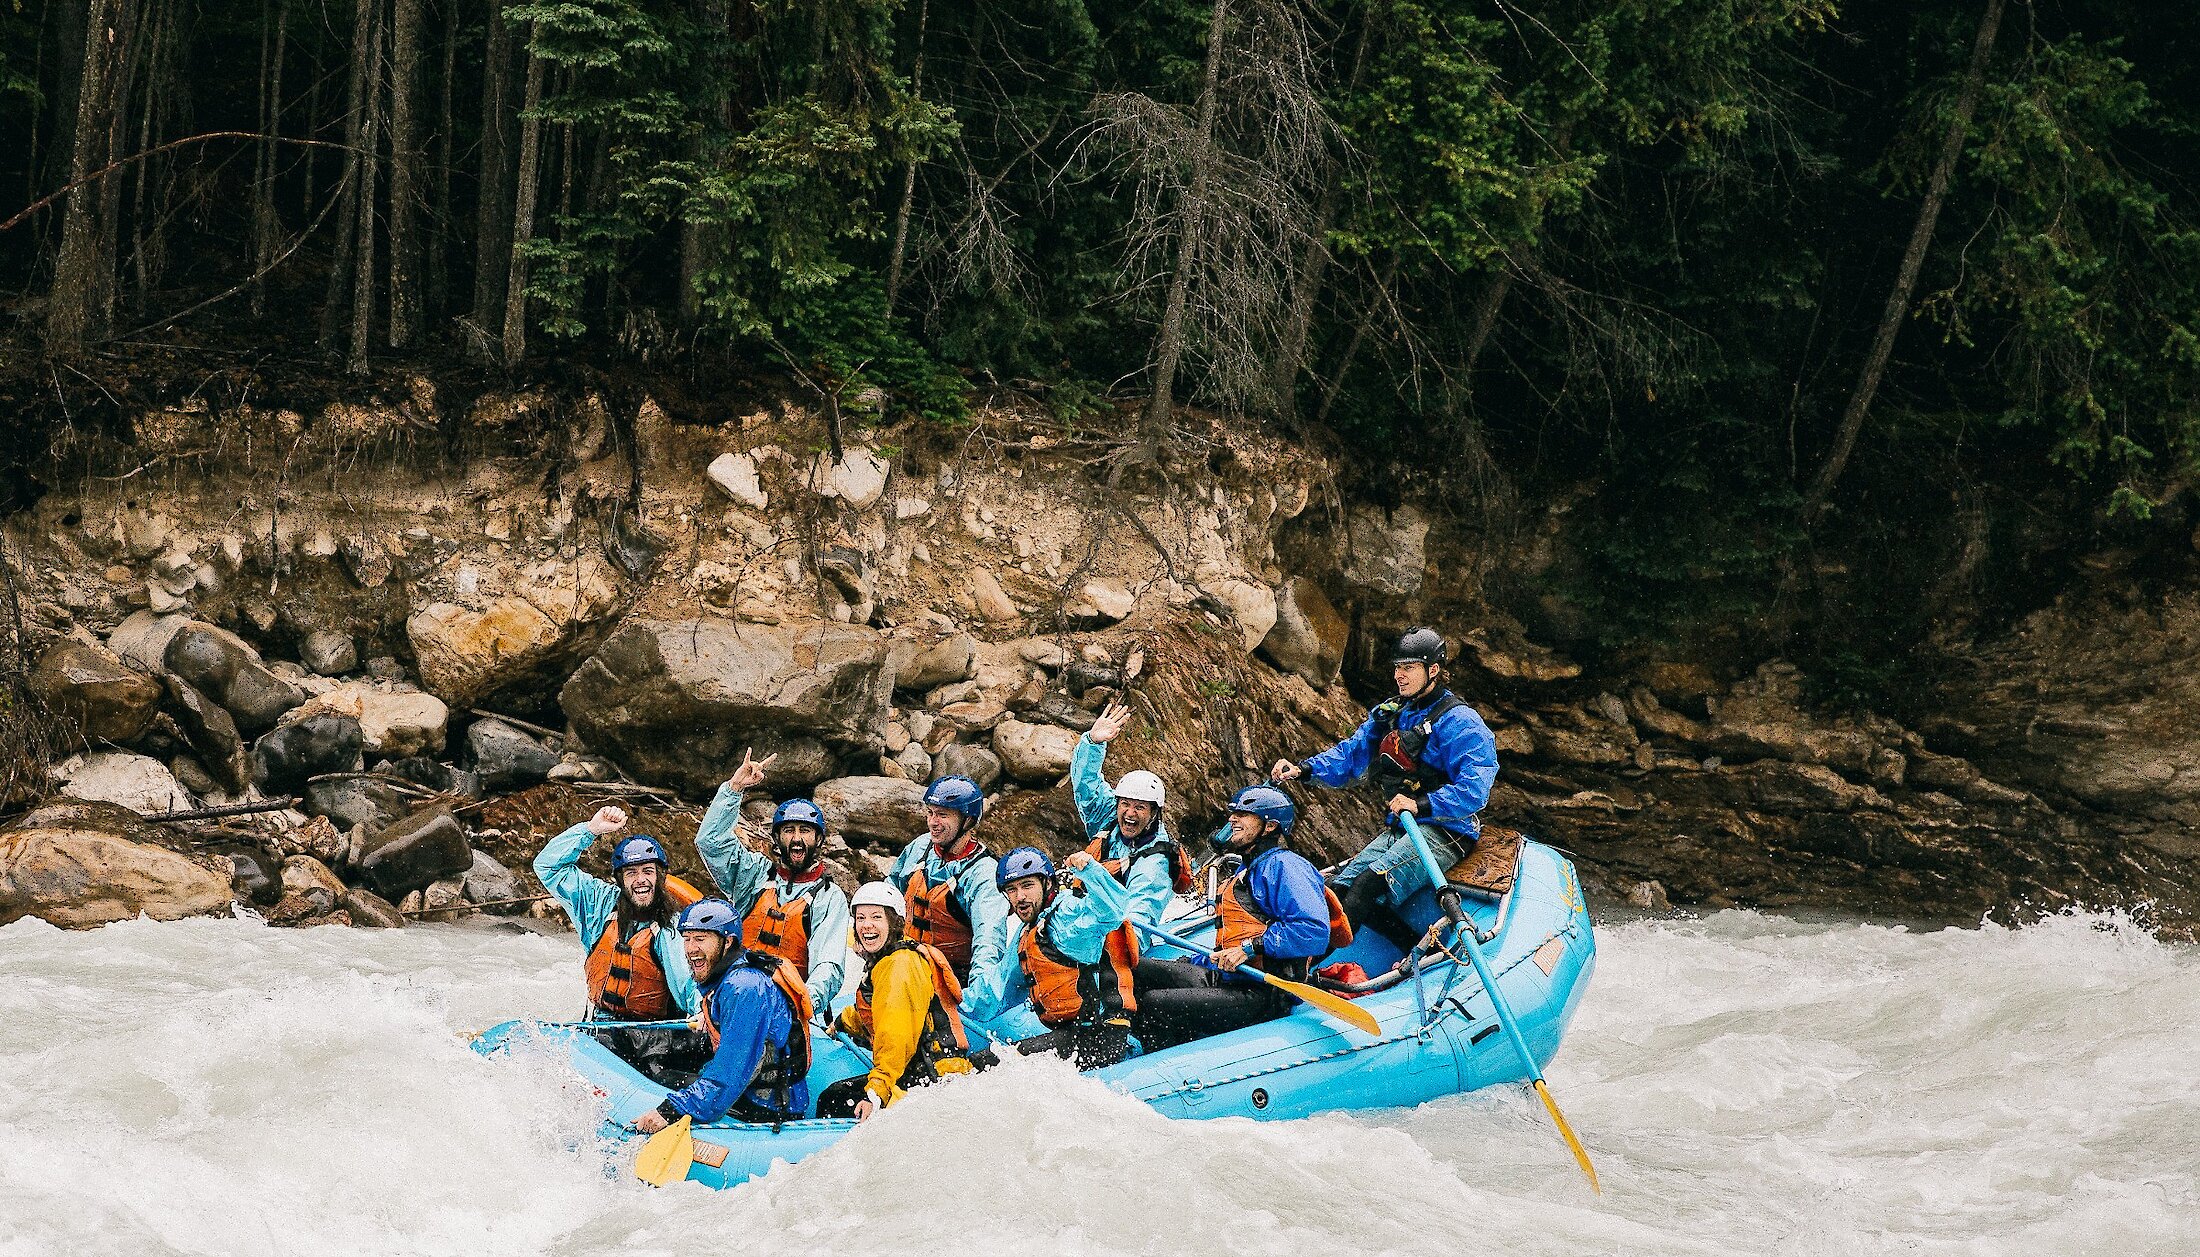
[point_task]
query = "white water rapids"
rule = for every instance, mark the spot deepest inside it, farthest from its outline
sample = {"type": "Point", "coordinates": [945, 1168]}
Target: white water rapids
{"type": "Point", "coordinates": [1747, 1084]}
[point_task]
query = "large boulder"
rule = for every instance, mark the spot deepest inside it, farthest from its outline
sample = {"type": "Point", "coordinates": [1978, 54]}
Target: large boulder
{"type": "Point", "coordinates": [953, 658]}
{"type": "Point", "coordinates": [882, 809]}
{"type": "Point", "coordinates": [964, 760]}
{"type": "Point", "coordinates": [211, 732]}
{"type": "Point", "coordinates": [1386, 552]}
{"type": "Point", "coordinates": [392, 722]}
{"type": "Point", "coordinates": [350, 801]}
{"type": "Point", "coordinates": [220, 665]}
{"type": "Point", "coordinates": [676, 702]}
{"type": "Point", "coordinates": [142, 639]}
{"type": "Point", "coordinates": [81, 864]}
{"type": "Point", "coordinates": [467, 654]}
{"type": "Point", "coordinates": [505, 758]}
{"type": "Point", "coordinates": [325, 742]}
{"type": "Point", "coordinates": [138, 782]}
{"type": "Point", "coordinates": [423, 848]}
{"type": "Point", "coordinates": [1034, 754]}
{"type": "Point", "coordinates": [106, 699]}
{"type": "Point", "coordinates": [1309, 637]}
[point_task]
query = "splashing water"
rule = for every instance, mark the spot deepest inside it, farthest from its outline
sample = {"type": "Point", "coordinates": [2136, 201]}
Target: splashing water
{"type": "Point", "coordinates": [1747, 1084]}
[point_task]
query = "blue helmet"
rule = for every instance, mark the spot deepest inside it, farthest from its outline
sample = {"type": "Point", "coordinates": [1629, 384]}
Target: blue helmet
{"type": "Point", "coordinates": [800, 812]}
{"type": "Point", "coordinates": [1268, 803]}
{"type": "Point", "coordinates": [957, 793]}
{"type": "Point", "coordinates": [714, 916]}
{"type": "Point", "coordinates": [1020, 863]}
{"type": "Point", "coordinates": [640, 849]}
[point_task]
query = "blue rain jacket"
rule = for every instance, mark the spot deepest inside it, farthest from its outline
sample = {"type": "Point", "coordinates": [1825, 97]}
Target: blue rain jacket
{"type": "Point", "coordinates": [1148, 880]}
{"type": "Point", "coordinates": [979, 897]}
{"type": "Point", "coordinates": [749, 1012]}
{"type": "Point", "coordinates": [742, 875]}
{"type": "Point", "coordinates": [1077, 925]}
{"type": "Point", "coordinates": [1460, 747]}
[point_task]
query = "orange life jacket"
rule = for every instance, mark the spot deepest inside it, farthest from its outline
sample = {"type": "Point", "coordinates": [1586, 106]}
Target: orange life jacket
{"type": "Point", "coordinates": [942, 1035]}
{"type": "Point", "coordinates": [780, 928]}
{"type": "Point", "coordinates": [1243, 921]}
{"type": "Point", "coordinates": [938, 919]}
{"type": "Point", "coordinates": [1066, 992]}
{"type": "Point", "coordinates": [781, 1068]}
{"type": "Point", "coordinates": [624, 979]}
{"type": "Point", "coordinates": [1180, 865]}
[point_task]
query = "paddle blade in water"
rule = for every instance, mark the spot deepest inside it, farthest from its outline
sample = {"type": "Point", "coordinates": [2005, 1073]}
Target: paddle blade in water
{"type": "Point", "coordinates": [1581, 1154]}
{"type": "Point", "coordinates": [1335, 1005]}
{"type": "Point", "coordinates": [667, 1155]}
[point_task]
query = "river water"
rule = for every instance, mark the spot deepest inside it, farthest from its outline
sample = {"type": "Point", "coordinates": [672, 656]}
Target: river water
{"type": "Point", "coordinates": [1746, 1083]}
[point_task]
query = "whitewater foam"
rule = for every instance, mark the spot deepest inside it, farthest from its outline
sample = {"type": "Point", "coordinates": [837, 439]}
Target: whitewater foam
{"type": "Point", "coordinates": [1746, 1083]}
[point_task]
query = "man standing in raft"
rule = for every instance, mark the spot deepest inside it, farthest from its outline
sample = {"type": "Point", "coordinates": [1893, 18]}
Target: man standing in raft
{"type": "Point", "coordinates": [755, 1015]}
{"type": "Point", "coordinates": [1275, 916]}
{"type": "Point", "coordinates": [946, 877]}
{"type": "Point", "coordinates": [907, 1011]}
{"type": "Point", "coordinates": [1435, 758]}
{"type": "Point", "coordinates": [1124, 823]}
{"type": "Point", "coordinates": [1074, 957]}
{"type": "Point", "coordinates": [637, 969]}
{"type": "Point", "coordinates": [787, 906]}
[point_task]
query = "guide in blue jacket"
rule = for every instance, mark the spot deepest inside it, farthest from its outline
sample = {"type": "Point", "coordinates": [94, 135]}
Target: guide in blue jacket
{"type": "Point", "coordinates": [1436, 759]}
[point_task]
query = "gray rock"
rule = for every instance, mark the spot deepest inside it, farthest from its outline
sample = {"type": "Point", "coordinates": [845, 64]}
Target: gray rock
{"type": "Point", "coordinates": [302, 872]}
{"type": "Point", "coordinates": [222, 666]}
{"type": "Point", "coordinates": [192, 775]}
{"type": "Point", "coordinates": [284, 758]}
{"type": "Point", "coordinates": [880, 808]}
{"type": "Point", "coordinates": [142, 639]}
{"type": "Point", "coordinates": [371, 911]}
{"type": "Point", "coordinates": [103, 697]}
{"type": "Point", "coordinates": [1034, 754]}
{"type": "Point", "coordinates": [211, 733]}
{"type": "Point", "coordinates": [951, 659]}
{"type": "Point", "coordinates": [256, 878]}
{"type": "Point", "coordinates": [964, 760]}
{"type": "Point", "coordinates": [1386, 553]}
{"type": "Point", "coordinates": [423, 848]}
{"type": "Point", "coordinates": [914, 762]}
{"type": "Point", "coordinates": [355, 801]}
{"type": "Point", "coordinates": [328, 652]}
{"type": "Point", "coordinates": [1309, 637]}
{"type": "Point", "coordinates": [487, 881]}
{"type": "Point", "coordinates": [1055, 708]}
{"type": "Point", "coordinates": [506, 758]}
{"type": "Point", "coordinates": [138, 782]}
{"type": "Point", "coordinates": [676, 702]}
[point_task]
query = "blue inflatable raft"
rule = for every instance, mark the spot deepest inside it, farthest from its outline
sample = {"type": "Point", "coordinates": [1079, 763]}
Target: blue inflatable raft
{"type": "Point", "coordinates": [1439, 1036]}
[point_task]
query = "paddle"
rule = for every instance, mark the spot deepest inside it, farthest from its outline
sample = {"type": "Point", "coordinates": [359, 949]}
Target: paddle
{"type": "Point", "coordinates": [667, 1155]}
{"type": "Point", "coordinates": [1465, 933]}
{"type": "Point", "coordinates": [611, 1025]}
{"type": "Point", "coordinates": [1335, 1005]}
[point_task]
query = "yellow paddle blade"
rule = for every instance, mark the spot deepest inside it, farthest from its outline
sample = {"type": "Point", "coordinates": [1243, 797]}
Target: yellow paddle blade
{"type": "Point", "coordinates": [1581, 1154]}
{"type": "Point", "coordinates": [667, 1155]}
{"type": "Point", "coordinates": [1335, 1005]}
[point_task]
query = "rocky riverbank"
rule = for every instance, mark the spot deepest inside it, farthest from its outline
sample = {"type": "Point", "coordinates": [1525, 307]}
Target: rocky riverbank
{"type": "Point", "coordinates": [443, 628]}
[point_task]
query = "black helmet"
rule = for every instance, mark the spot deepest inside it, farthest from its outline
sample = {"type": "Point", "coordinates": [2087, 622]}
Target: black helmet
{"type": "Point", "coordinates": [1420, 645]}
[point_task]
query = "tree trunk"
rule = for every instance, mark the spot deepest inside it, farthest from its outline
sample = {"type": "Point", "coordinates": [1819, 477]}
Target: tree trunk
{"type": "Point", "coordinates": [74, 311]}
{"type": "Point", "coordinates": [440, 218]}
{"type": "Point", "coordinates": [1913, 260]}
{"type": "Point", "coordinates": [908, 174]}
{"type": "Point", "coordinates": [493, 207]}
{"type": "Point", "coordinates": [1352, 347]}
{"type": "Point", "coordinates": [1169, 344]}
{"type": "Point", "coordinates": [266, 225]}
{"type": "Point", "coordinates": [1312, 272]}
{"type": "Point", "coordinates": [362, 290]}
{"type": "Point", "coordinates": [405, 278]}
{"type": "Point", "coordinates": [342, 277]}
{"type": "Point", "coordinates": [523, 217]}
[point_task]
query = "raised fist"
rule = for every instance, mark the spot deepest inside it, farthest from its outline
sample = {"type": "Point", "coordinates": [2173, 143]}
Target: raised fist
{"type": "Point", "coordinates": [606, 819]}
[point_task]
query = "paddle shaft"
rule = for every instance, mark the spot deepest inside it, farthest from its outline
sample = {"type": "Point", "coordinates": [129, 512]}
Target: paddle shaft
{"type": "Point", "coordinates": [1465, 932]}
{"type": "Point", "coordinates": [1342, 1009]}
{"type": "Point", "coordinates": [1189, 945]}
{"type": "Point", "coordinates": [611, 1025]}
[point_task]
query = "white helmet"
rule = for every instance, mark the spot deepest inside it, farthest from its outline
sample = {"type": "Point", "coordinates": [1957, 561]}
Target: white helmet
{"type": "Point", "coordinates": [879, 895]}
{"type": "Point", "coordinates": [1141, 786]}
